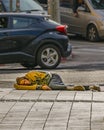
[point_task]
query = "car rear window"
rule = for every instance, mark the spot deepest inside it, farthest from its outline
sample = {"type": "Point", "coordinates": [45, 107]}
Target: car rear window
{"type": "Point", "coordinates": [19, 22]}
{"type": "Point", "coordinates": [26, 22]}
{"type": "Point", "coordinates": [66, 3]}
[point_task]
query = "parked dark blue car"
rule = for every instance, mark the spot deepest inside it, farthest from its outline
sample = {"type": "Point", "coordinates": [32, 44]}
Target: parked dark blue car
{"type": "Point", "coordinates": [32, 40]}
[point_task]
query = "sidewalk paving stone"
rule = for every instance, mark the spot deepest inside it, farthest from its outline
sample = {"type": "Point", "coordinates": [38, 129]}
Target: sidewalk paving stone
{"type": "Point", "coordinates": [49, 95]}
{"type": "Point", "coordinates": [4, 92]}
{"type": "Point", "coordinates": [14, 95]}
{"type": "Point", "coordinates": [97, 119]}
{"type": "Point", "coordinates": [51, 110]}
{"type": "Point", "coordinates": [80, 116]}
{"type": "Point", "coordinates": [31, 95]}
{"type": "Point", "coordinates": [98, 96]}
{"type": "Point", "coordinates": [28, 95]}
{"type": "Point", "coordinates": [66, 96]}
{"type": "Point", "coordinates": [9, 127]}
{"type": "Point", "coordinates": [83, 96]}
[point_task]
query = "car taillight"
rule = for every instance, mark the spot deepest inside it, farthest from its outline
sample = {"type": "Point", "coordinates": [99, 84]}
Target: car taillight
{"type": "Point", "coordinates": [62, 29]}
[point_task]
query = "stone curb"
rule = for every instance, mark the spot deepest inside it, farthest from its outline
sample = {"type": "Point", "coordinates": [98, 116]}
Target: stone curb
{"type": "Point", "coordinates": [20, 100]}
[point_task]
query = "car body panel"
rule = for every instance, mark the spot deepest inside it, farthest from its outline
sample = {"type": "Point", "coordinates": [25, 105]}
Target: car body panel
{"type": "Point", "coordinates": [25, 34]}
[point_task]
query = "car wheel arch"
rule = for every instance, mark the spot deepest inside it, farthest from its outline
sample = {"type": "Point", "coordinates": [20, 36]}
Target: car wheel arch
{"type": "Point", "coordinates": [91, 23]}
{"type": "Point", "coordinates": [46, 42]}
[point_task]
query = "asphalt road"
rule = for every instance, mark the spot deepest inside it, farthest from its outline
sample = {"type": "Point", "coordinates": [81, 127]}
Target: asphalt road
{"type": "Point", "coordinates": [56, 109]}
{"type": "Point", "coordinates": [84, 66]}
{"type": "Point", "coordinates": [84, 54]}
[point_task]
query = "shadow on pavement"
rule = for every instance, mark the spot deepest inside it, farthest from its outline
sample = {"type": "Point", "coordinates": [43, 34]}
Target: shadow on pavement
{"type": "Point", "coordinates": [85, 67]}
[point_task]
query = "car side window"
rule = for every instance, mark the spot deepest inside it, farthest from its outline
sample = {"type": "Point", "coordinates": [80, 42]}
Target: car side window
{"type": "Point", "coordinates": [66, 3]}
{"type": "Point", "coordinates": [86, 8]}
{"type": "Point", "coordinates": [19, 22]}
{"type": "Point", "coordinates": [3, 22]}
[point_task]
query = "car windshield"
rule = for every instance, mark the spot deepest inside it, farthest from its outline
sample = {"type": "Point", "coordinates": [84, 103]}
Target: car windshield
{"type": "Point", "coordinates": [25, 5]}
{"type": "Point", "coordinates": [98, 4]}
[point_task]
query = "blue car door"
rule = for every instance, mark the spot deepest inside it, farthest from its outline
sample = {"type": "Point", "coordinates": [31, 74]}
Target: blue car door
{"type": "Point", "coordinates": [5, 41]}
{"type": "Point", "coordinates": [14, 37]}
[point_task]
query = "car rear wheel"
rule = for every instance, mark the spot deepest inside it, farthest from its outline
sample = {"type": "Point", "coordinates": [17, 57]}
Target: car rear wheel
{"type": "Point", "coordinates": [92, 33]}
{"type": "Point", "coordinates": [49, 56]}
{"type": "Point", "coordinates": [28, 65]}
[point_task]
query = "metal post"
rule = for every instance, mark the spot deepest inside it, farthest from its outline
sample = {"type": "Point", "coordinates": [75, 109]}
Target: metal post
{"type": "Point", "coordinates": [10, 5]}
{"type": "Point", "coordinates": [53, 10]}
{"type": "Point", "coordinates": [0, 6]}
{"type": "Point", "coordinates": [17, 5]}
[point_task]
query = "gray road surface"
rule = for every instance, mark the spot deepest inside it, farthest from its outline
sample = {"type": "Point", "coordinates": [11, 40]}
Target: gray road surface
{"type": "Point", "coordinates": [56, 110]}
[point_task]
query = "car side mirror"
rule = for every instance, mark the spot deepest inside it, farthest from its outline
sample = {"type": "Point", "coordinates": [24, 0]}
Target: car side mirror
{"type": "Point", "coordinates": [45, 6]}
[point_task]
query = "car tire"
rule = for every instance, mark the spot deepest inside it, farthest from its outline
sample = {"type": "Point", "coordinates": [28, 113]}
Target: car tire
{"type": "Point", "coordinates": [28, 65]}
{"type": "Point", "coordinates": [49, 57]}
{"type": "Point", "coordinates": [92, 33]}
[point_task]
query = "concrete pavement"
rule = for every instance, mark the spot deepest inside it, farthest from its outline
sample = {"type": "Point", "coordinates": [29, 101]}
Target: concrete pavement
{"type": "Point", "coordinates": [51, 110]}
{"type": "Point", "coordinates": [57, 110]}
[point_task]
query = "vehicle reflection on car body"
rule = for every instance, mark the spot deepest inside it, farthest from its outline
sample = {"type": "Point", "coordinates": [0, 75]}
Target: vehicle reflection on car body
{"type": "Point", "coordinates": [32, 40]}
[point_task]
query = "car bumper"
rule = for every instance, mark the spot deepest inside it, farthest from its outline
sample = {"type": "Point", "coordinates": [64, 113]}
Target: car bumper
{"type": "Point", "coordinates": [101, 33]}
{"type": "Point", "coordinates": [68, 51]}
